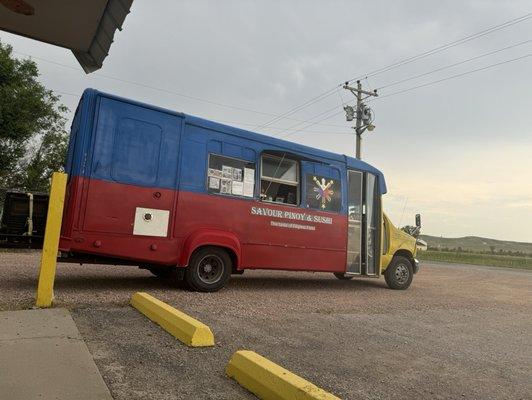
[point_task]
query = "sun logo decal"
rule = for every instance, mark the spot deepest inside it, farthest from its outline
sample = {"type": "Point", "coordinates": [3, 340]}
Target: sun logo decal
{"type": "Point", "coordinates": [323, 190]}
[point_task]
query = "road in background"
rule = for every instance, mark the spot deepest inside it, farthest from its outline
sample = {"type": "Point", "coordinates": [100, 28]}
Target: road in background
{"type": "Point", "coordinates": [458, 332]}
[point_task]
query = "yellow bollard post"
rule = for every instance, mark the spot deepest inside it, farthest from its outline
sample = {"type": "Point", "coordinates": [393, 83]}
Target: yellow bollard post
{"type": "Point", "coordinates": [45, 288]}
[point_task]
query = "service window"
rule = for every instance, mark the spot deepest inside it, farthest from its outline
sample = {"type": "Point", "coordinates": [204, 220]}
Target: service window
{"type": "Point", "coordinates": [230, 176]}
{"type": "Point", "coordinates": [323, 193]}
{"type": "Point", "coordinates": [279, 181]}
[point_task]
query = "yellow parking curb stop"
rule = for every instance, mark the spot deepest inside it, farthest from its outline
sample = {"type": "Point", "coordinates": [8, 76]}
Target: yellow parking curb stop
{"type": "Point", "coordinates": [270, 381]}
{"type": "Point", "coordinates": [183, 327]}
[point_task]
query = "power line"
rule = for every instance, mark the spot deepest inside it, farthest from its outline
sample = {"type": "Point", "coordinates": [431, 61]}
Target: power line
{"type": "Point", "coordinates": [149, 86]}
{"type": "Point", "coordinates": [316, 122]}
{"type": "Point", "coordinates": [455, 64]}
{"type": "Point", "coordinates": [412, 88]}
{"type": "Point", "coordinates": [312, 123]}
{"type": "Point", "coordinates": [291, 127]}
{"type": "Point", "coordinates": [454, 76]}
{"type": "Point", "coordinates": [329, 92]}
{"type": "Point", "coordinates": [279, 128]}
{"type": "Point", "coordinates": [158, 88]}
{"type": "Point", "coordinates": [405, 61]}
{"type": "Point", "coordinates": [300, 107]}
{"type": "Point", "coordinates": [445, 46]}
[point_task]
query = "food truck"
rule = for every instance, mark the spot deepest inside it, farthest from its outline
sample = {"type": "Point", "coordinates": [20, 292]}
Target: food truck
{"type": "Point", "coordinates": [197, 200]}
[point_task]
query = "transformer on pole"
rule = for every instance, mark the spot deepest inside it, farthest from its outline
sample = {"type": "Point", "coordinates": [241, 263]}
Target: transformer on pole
{"type": "Point", "coordinates": [362, 113]}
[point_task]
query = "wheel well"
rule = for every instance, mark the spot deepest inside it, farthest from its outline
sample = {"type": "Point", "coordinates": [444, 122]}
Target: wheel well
{"type": "Point", "coordinates": [230, 252]}
{"type": "Point", "coordinates": [404, 253]}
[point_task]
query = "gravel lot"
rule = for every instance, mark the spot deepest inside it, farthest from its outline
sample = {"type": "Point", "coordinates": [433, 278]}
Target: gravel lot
{"type": "Point", "coordinates": [460, 332]}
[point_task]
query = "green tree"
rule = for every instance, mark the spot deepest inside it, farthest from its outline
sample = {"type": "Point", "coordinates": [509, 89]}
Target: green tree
{"type": "Point", "coordinates": [33, 139]}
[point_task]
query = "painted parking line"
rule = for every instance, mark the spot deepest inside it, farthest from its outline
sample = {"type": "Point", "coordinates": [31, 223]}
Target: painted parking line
{"type": "Point", "coordinates": [268, 380]}
{"type": "Point", "coordinates": [180, 325]}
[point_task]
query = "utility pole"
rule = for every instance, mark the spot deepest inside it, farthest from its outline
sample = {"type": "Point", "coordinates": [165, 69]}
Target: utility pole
{"type": "Point", "coordinates": [364, 115]}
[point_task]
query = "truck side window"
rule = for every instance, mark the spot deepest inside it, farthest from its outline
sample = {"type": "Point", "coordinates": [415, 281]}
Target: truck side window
{"type": "Point", "coordinates": [279, 181]}
{"type": "Point", "coordinates": [323, 193]}
{"type": "Point", "coordinates": [230, 176]}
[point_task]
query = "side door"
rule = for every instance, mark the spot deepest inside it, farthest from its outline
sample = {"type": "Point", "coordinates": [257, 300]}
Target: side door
{"type": "Point", "coordinates": [362, 229]}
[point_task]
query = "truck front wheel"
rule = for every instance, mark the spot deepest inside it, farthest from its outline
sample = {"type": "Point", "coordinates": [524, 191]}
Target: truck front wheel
{"type": "Point", "coordinates": [208, 270]}
{"type": "Point", "coordinates": [399, 273]}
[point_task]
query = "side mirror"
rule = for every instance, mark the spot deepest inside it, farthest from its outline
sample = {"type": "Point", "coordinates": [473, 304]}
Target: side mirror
{"type": "Point", "coordinates": [418, 220]}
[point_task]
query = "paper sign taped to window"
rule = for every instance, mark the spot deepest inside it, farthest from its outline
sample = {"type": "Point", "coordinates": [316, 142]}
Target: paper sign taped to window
{"type": "Point", "coordinates": [227, 172]}
{"type": "Point", "coordinates": [237, 174]}
{"type": "Point", "coordinates": [225, 186]}
{"type": "Point", "coordinates": [214, 183]}
{"type": "Point", "coordinates": [249, 175]}
{"type": "Point", "coordinates": [215, 172]}
{"type": "Point", "coordinates": [238, 188]}
{"type": "Point", "coordinates": [248, 189]}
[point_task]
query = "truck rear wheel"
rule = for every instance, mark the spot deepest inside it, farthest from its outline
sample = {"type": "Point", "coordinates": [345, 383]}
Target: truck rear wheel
{"type": "Point", "coordinates": [208, 270]}
{"type": "Point", "coordinates": [399, 273]}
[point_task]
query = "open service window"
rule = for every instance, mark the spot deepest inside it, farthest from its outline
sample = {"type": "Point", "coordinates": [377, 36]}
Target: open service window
{"type": "Point", "coordinates": [279, 181]}
{"type": "Point", "coordinates": [230, 176]}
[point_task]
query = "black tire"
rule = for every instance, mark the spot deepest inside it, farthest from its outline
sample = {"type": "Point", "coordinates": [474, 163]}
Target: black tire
{"type": "Point", "coordinates": [343, 277]}
{"type": "Point", "coordinates": [208, 270]}
{"type": "Point", "coordinates": [161, 272]}
{"type": "Point", "coordinates": [399, 273]}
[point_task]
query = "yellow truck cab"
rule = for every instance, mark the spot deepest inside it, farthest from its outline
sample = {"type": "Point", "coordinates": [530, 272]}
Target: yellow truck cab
{"type": "Point", "coordinates": [398, 261]}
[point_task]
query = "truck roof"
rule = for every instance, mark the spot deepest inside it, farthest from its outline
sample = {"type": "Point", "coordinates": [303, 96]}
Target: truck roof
{"type": "Point", "coordinates": [234, 131]}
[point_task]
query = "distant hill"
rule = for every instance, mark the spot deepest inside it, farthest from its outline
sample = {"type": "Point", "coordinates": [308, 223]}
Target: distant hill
{"type": "Point", "coordinates": [477, 244]}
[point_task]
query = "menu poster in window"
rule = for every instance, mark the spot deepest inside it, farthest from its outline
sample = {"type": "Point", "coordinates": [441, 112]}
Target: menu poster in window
{"type": "Point", "coordinates": [248, 189]}
{"type": "Point", "coordinates": [215, 172]}
{"type": "Point", "coordinates": [234, 176]}
{"type": "Point", "coordinates": [249, 182]}
{"type": "Point", "coordinates": [237, 188]}
{"type": "Point", "coordinates": [249, 175]}
{"type": "Point", "coordinates": [227, 172]}
{"type": "Point", "coordinates": [214, 183]}
{"type": "Point", "coordinates": [237, 174]}
{"type": "Point", "coordinates": [225, 186]}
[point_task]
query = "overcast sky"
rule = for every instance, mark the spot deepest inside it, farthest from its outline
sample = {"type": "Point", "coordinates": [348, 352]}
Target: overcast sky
{"type": "Point", "coordinates": [459, 152]}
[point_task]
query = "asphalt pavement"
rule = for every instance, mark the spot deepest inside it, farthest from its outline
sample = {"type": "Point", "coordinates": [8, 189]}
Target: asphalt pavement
{"type": "Point", "coordinates": [459, 332]}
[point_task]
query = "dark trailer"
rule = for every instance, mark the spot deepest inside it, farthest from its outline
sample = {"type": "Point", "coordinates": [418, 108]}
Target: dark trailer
{"type": "Point", "coordinates": [23, 219]}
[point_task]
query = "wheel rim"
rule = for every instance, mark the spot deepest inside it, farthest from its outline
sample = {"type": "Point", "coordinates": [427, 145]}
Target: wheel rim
{"type": "Point", "coordinates": [210, 269]}
{"type": "Point", "coordinates": [401, 274]}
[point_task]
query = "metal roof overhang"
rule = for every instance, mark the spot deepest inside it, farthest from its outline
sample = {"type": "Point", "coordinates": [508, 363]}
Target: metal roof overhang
{"type": "Point", "coordinates": [85, 27]}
